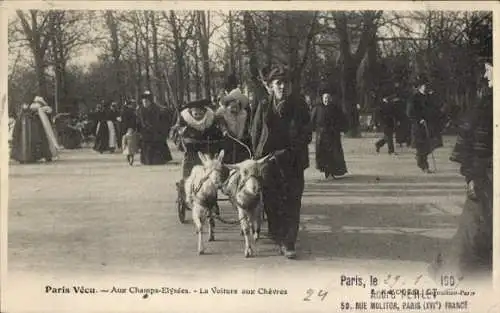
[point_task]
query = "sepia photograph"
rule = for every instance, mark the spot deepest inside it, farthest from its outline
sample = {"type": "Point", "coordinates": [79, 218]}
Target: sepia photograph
{"type": "Point", "coordinates": [206, 158]}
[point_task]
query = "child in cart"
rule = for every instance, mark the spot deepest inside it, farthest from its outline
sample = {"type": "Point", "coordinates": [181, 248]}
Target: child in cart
{"type": "Point", "coordinates": [234, 121]}
{"type": "Point", "coordinates": [198, 131]}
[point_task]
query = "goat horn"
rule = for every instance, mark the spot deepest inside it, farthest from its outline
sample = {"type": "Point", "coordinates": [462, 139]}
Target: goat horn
{"type": "Point", "coordinates": [265, 158]}
{"type": "Point", "coordinates": [232, 166]}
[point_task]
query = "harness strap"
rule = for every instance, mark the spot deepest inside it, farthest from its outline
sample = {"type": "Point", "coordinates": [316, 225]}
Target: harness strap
{"type": "Point", "coordinates": [202, 181]}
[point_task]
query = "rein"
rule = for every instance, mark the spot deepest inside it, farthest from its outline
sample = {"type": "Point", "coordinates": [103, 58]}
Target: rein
{"type": "Point", "coordinates": [243, 144]}
{"type": "Point", "coordinates": [202, 181]}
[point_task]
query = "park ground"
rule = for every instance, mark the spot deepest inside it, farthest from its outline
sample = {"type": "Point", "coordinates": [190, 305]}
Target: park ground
{"type": "Point", "coordinates": [91, 219]}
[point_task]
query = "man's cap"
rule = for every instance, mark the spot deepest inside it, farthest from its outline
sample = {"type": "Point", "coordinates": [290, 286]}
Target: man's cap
{"type": "Point", "coordinates": [326, 88]}
{"type": "Point", "coordinates": [275, 72]}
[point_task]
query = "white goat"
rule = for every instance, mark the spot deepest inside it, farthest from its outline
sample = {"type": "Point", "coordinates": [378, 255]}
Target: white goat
{"type": "Point", "coordinates": [201, 189]}
{"type": "Point", "coordinates": [244, 188]}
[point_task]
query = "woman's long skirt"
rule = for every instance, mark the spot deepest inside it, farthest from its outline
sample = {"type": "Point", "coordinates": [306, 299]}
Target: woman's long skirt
{"type": "Point", "coordinates": [29, 141]}
{"type": "Point", "coordinates": [330, 154]}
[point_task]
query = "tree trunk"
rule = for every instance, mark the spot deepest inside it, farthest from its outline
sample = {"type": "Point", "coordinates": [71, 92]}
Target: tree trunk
{"type": "Point", "coordinates": [231, 45]}
{"type": "Point", "coordinates": [197, 78]}
{"type": "Point", "coordinates": [188, 81]}
{"type": "Point", "coordinates": [179, 48]}
{"type": "Point", "coordinates": [147, 61]}
{"type": "Point", "coordinates": [350, 62]}
{"type": "Point", "coordinates": [250, 43]}
{"type": "Point", "coordinates": [138, 63]}
{"type": "Point", "coordinates": [269, 46]}
{"type": "Point", "coordinates": [203, 34]}
{"type": "Point", "coordinates": [156, 61]}
{"type": "Point", "coordinates": [111, 23]}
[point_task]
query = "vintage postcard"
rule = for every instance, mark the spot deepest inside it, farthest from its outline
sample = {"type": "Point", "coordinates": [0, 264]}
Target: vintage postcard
{"type": "Point", "coordinates": [253, 156]}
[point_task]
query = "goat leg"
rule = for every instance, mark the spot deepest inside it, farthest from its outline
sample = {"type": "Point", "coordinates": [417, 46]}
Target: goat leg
{"type": "Point", "coordinates": [245, 227]}
{"type": "Point", "coordinates": [211, 226]}
{"type": "Point", "coordinates": [198, 223]}
{"type": "Point", "coordinates": [258, 217]}
{"type": "Point", "coordinates": [257, 220]}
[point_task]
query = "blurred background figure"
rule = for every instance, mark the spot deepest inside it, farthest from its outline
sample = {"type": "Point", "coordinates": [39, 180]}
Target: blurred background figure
{"type": "Point", "coordinates": [425, 117]}
{"type": "Point", "coordinates": [153, 132]}
{"type": "Point", "coordinates": [329, 121]}
{"type": "Point", "coordinates": [31, 138]}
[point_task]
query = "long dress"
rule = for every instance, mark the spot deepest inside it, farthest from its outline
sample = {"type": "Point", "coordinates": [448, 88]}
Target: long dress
{"type": "Point", "coordinates": [154, 148]}
{"type": "Point", "coordinates": [104, 140]}
{"type": "Point", "coordinates": [328, 122]}
{"type": "Point", "coordinates": [30, 140]}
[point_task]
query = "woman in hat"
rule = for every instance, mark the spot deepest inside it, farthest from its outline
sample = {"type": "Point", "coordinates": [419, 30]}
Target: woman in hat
{"type": "Point", "coordinates": [105, 134]}
{"type": "Point", "coordinates": [233, 121]}
{"type": "Point", "coordinates": [153, 132]}
{"type": "Point", "coordinates": [329, 121]}
{"type": "Point", "coordinates": [196, 124]}
{"type": "Point", "coordinates": [33, 137]}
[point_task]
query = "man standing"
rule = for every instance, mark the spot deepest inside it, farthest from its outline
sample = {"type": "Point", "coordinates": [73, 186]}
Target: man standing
{"type": "Point", "coordinates": [387, 118]}
{"type": "Point", "coordinates": [425, 118]}
{"type": "Point", "coordinates": [154, 148]}
{"type": "Point", "coordinates": [281, 126]}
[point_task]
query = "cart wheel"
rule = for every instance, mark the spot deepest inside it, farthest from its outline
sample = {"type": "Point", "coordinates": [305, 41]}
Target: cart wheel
{"type": "Point", "coordinates": [181, 211]}
{"type": "Point", "coordinates": [181, 206]}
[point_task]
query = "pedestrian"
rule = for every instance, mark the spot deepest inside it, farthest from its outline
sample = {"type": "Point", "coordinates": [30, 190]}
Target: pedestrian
{"type": "Point", "coordinates": [281, 126]}
{"type": "Point", "coordinates": [470, 255]}
{"type": "Point", "coordinates": [329, 121]}
{"type": "Point", "coordinates": [130, 145]}
{"type": "Point", "coordinates": [33, 138]}
{"type": "Point", "coordinates": [105, 133]}
{"type": "Point", "coordinates": [154, 133]}
{"type": "Point", "coordinates": [114, 112]}
{"type": "Point", "coordinates": [386, 115]}
{"type": "Point", "coordinates": [425, 117]}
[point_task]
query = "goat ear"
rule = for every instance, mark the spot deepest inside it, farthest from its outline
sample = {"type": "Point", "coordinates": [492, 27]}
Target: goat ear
{"type": "Point", "coordinates": [220, 156]}
{"type": "Point", "coordinates": [203, 158]}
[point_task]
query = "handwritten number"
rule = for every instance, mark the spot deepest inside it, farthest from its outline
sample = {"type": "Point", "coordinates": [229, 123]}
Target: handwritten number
{"type": "Point", "coordinates": [309, 292]}
{"type": "Point", "coordinates": [322, 294]}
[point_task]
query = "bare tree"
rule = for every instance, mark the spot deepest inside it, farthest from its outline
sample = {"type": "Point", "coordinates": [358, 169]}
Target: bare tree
{"type": "Point", "coordinates": [349, 61]}
{"type": "Point", "coordinates": [36, 30]}
{"type": "Point", "coordinates": [182, 30]}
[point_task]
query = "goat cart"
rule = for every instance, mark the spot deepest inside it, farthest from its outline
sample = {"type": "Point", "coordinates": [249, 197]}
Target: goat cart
{"type": "Point", "coordinates": [191, 148]}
